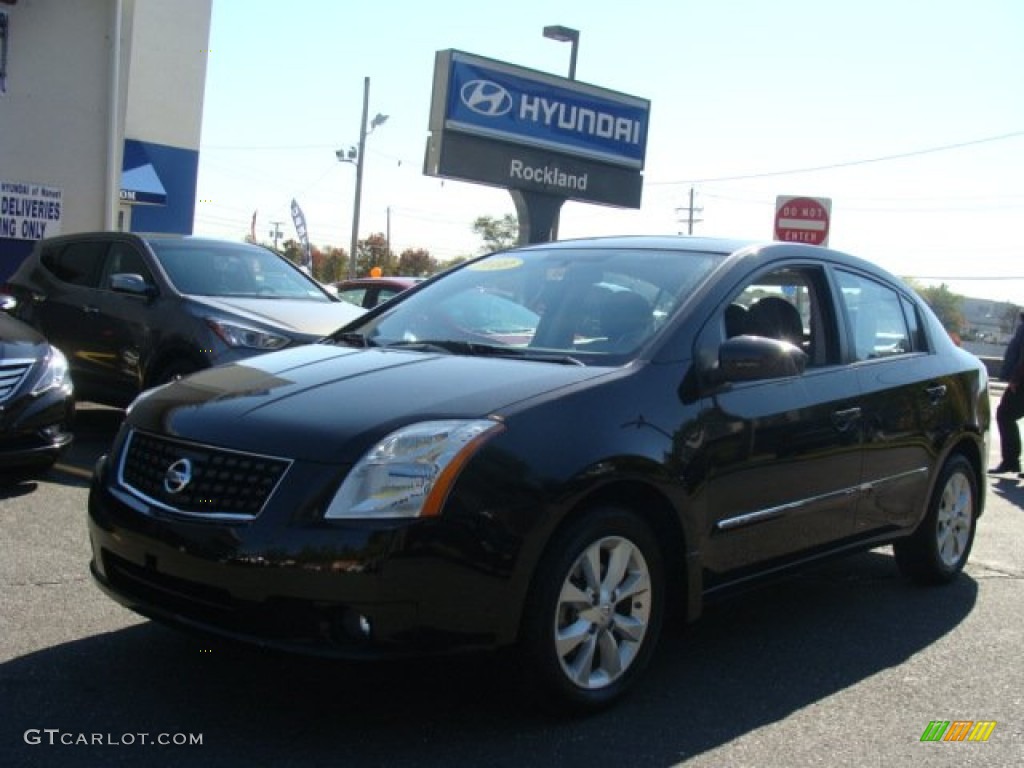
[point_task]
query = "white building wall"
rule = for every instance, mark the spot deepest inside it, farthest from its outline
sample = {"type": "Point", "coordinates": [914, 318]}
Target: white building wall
{"type": "Point", "coordinates": [63, 127]}
{"type": "Point", "coordinates": [169, 52]}
{"type": "Point", "coordinates": [55, 114]}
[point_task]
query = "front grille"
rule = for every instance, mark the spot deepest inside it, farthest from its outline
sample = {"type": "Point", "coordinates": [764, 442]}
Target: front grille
{"type": "Point", "coordinates": [197, 479]}
{"type": "Point", "coordinates": [12, 373]}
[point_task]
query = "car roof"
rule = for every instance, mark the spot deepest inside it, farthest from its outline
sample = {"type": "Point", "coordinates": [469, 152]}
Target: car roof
{"type": "Point", "coordinates": [383, 280]}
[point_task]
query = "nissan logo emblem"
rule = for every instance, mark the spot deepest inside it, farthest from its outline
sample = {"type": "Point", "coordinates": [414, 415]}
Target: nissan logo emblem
{"type": "Point", "coordinates": [178, 476]}
{"type": "Point", "coordinates": [486, 98]}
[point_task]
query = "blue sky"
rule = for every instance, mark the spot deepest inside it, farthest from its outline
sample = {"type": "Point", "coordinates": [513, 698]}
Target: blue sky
{"type": "Point", "coordinates": [910, 112]}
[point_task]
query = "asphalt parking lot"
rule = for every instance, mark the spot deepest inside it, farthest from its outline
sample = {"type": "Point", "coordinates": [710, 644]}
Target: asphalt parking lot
{"type": "Point", "coordinates": [843, 666]}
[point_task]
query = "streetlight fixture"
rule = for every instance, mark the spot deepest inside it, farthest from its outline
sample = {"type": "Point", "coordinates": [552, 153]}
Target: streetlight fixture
{"type": "Point", "coordinates": [563, 35]}
{"type": "Point", "coordinates": [354, 155]}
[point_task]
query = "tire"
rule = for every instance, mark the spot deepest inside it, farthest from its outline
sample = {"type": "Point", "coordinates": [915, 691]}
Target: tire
{"type": "Point", "coordinates": [595, 610]}
{"type": "Point", "coordinates": [938, 550]}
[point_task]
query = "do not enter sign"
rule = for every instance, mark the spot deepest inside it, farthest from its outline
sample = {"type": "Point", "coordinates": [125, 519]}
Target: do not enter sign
{"type": "Point", "coordinates": [802, 219]}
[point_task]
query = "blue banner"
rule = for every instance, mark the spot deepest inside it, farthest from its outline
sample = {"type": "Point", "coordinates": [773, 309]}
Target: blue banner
{"type": "Point", "coordinates": [299, 220]}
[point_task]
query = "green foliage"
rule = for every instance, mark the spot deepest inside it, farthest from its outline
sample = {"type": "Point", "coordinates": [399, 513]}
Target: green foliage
{"type": "Point", "coordinates": [417, 262]}
{"type": "Point", "coordinates": [945, 304]}
{"type": "Point", "coordinates": [331, 264]}
{"type": "Point", "coordinates": [497, 234]}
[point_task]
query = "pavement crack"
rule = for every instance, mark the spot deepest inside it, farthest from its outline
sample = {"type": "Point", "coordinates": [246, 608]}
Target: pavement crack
{"type": "Point", "coordinates": [45, 582]}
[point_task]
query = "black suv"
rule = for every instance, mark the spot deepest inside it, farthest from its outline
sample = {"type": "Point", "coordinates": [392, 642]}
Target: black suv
{"type": "Point", "coordinates": [132, 311]}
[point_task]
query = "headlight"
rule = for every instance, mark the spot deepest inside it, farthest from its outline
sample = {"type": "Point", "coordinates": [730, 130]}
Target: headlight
{"type": "Point", "coordinates": [235, 335]}
{"type": "Point", "coordinates": [54, 374]}
{"type": "Point", "coordinates": [409, 472]}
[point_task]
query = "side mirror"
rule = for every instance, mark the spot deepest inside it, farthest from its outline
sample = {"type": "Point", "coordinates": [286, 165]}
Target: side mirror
{"type": "Point", "coordinates": [750, 358]}
{"type": "Point", "coordinates": [129, 282]}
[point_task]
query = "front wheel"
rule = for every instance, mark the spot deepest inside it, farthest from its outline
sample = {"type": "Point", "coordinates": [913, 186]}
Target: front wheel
{"type": "Point", "coordinates": [596, 608]}
{"type": "Point", "coordinates": [938, 550]}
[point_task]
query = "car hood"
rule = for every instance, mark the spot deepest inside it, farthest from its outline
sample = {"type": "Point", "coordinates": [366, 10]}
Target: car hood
{"type": "Point", "coordinates": [19, 341]}
{"type": "Point", "coordinates": [313, 319]}
{"type": "Point", "coordinates": [326, 403]}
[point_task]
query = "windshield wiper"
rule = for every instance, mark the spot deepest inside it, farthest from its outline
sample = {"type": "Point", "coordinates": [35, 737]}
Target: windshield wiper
{"type": "Point", "coordinates": [485, 350]}
{"type": "Point", "coordinates": [353, 339]}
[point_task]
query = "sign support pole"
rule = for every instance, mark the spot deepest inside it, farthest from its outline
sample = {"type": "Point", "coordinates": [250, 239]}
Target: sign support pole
{"type": "Point", "coordinates": [537, 214]}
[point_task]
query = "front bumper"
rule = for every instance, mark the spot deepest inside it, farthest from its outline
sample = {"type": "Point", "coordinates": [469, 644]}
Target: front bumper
{"type": "Point", "coordinates": [35, 431]}
{"type": "Point", "coordinates": [289, 580]}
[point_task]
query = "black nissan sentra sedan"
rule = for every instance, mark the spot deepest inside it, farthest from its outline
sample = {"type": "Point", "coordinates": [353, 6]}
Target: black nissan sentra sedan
{"type": "Point", "coordinates": [551, 448]}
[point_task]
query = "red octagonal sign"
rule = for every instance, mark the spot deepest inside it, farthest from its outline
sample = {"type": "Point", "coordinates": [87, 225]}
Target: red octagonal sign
{"type": "Point", "coordinates": [802, 219]}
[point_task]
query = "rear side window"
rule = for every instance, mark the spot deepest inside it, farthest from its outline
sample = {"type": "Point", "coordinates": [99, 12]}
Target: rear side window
{"type": "Point", "coordinates": [877, 322]}
{"type": "Point", "coordinates": [76, 263]}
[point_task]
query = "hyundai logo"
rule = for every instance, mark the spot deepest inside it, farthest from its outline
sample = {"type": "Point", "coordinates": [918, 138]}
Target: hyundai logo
{"type": "Point", "coordinates": [486, 98]}
{"type": "Point", "coordinates": [178, 476]}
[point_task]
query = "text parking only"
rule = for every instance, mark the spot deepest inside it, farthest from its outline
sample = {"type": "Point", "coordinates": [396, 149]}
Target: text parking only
{"type": "Point", "coordinates": [802, 219]}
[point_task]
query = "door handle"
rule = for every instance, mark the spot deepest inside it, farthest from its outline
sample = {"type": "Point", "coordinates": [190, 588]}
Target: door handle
{"type": "Point", "coordinates": [844, 419]}
{"type": "Point", "coordinates": [90, 310]}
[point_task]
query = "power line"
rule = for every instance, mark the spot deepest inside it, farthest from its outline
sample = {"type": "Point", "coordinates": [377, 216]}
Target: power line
{"type": "Point", "coordinates": [864, 161]}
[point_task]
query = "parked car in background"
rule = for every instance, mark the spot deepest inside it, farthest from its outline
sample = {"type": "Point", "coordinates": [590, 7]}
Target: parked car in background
{"type": "Point", "coordinates": [368, 292]}
{"type": "Point", "coordinates": [658, 421]}
{"type": "Point", "coordinates": [132, 311]}
{"type": "Point", "coordinates": [36, 397]}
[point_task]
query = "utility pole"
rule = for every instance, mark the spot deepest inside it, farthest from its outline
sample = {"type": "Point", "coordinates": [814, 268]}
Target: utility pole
{"type": "Point", "coordinates": [692, 212]}
{"type": "Point", "coordinates": [276, 232]}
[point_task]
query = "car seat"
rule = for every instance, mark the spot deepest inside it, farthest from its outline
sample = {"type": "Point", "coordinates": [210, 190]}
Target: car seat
{"type": "Point", "coordinates": [735, 320]}
{"type": "Point", "coordinates": [775, 318]}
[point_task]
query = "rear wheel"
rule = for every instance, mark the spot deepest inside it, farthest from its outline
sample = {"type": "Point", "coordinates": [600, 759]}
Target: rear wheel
{"type": "Point", "coordinates": [596, 609]}
{"type": "Point", "coordinates": [938, 550]}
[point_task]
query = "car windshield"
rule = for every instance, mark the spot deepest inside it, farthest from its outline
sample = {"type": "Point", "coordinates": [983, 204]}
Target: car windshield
{"type": "Point", "coordinates": [579, 305]}
{"type": "Point", "coordinates": [233, 270]}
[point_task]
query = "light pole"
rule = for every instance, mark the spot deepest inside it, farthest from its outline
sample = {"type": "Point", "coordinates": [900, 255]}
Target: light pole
{"type": "Point", "coordinates": [355, 156]}
{"type": "Point", "coordinates": [564, 35]}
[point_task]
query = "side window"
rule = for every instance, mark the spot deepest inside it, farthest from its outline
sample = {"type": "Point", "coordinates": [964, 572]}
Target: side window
{"type": "Point", "coordinates": [353, 296]}
{"type": "Point", "coordinates": [77, 263]}
{"type": "Point", "coordinates": [787, 304]}
{"type": "Point", "coordinates": [876, 320]}
{"type": "Point", "coordinates": [124, 259]}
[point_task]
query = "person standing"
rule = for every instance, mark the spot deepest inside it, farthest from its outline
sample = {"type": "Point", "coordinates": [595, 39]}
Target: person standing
{"type": "Point", "coordinates": [1011, 404]}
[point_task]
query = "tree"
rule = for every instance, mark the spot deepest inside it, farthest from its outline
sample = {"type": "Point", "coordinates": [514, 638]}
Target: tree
{"type": "Point", "coordinates": [945, 304]}
{"type": "Point", "coordinates": [330, 264]}
{"type": "Point", "coordinates": [294, 252]}
{"type": "Point", "coordinates": [416, 262]}
{"type": "Point", "coordinates": [372, 252]}
{"type": "Point", "coordinates": [497, 233]}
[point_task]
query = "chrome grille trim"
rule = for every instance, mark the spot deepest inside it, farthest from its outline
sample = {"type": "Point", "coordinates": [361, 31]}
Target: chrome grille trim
{"type": "Point", "coordinates": [12, 374]}
{"type": "Point", "coordinates": [230, 485]}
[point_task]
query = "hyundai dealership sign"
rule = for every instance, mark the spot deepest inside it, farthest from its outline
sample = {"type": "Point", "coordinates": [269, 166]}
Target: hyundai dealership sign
{"type": "Point", "coordinates": [500, 124]}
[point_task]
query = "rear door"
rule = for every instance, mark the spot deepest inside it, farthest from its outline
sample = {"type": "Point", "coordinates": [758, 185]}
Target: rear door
{"type": "Point", "coordinates": [908, 400]}
{"type": "Point", "coordinates": [65, 308]}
